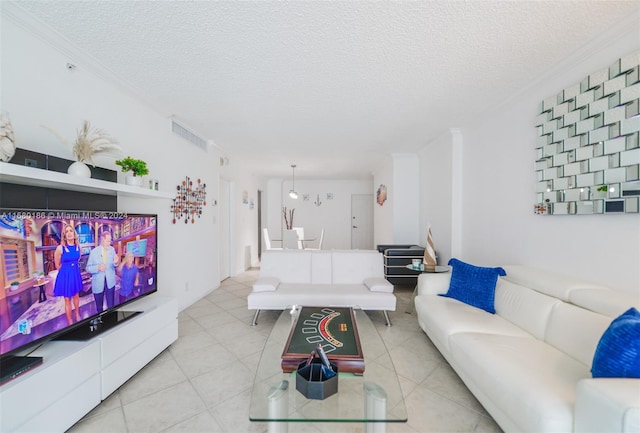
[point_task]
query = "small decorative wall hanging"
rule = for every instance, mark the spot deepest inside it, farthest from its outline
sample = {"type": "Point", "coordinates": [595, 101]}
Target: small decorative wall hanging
{"type": "Point", "coordinates": [317, 202]}
{"type": "Point", "coordinates": [189, 201]}
{"type": "Point", "coordinates": [381, 194]}
{"type": "Point", "coordinates": [305, 197]}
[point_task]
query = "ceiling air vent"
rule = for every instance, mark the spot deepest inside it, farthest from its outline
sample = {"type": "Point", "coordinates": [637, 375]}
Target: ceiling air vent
{"type": "Point", "coordinates": [188, 135]}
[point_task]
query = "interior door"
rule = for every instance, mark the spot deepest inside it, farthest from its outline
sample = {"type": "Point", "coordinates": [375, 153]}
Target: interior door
{"type": "Point", "coordinates": [362, 221]}
{"type": "Point", "coordinates": [225, 229]}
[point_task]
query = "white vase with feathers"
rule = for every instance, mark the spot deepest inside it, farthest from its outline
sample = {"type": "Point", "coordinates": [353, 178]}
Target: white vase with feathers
{"type": "Point", "coordinates": [89, 143]}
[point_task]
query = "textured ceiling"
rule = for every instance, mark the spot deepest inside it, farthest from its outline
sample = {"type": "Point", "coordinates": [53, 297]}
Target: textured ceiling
{"type": "Point", "coordinates": [331, 86]}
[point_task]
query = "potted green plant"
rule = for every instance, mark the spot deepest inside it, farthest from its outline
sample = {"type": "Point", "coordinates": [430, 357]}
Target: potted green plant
{"type": "Point", "coordinates": [137, 167]}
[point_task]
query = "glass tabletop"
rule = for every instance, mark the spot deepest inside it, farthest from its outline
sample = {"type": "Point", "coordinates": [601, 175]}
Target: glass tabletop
{"type": "Point", "coordinates": [429, 269]}
{"type": "Point", "coordinates": [374, 396]}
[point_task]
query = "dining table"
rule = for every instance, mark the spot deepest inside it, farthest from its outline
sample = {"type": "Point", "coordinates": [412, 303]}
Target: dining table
{"type": "Point", "coordinates": [301, 240]}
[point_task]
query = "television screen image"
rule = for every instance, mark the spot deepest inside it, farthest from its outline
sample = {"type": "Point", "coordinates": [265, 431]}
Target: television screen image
{"type": "Point", "coordinates": [137, 248]}
{"type": "Point", "coordinates": [63, 271]}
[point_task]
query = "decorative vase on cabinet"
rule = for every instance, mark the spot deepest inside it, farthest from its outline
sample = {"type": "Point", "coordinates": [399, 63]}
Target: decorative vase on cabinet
{"type": "Point", "coordinates": [79, 169]}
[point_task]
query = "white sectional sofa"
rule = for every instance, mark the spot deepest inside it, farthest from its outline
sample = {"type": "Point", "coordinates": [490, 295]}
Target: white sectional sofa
{"type": "Point", "coordinates": [529, 364]}
{"type": "Point", "coordinates": [335, 278]}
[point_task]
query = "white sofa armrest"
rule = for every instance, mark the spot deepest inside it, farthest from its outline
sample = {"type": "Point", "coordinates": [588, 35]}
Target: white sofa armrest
{"type": "Point", "coordinates": [378, 284]}
{"type": "Point", "coordinates": [607, 405]}
{"type": "Point", "coordinates": [266, 284]}
{"type": "Point", "coordinates": [433, 284]}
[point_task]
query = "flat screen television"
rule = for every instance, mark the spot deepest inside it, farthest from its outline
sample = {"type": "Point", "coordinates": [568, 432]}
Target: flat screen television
{"type": "Point", "coordinates": [56, 282]}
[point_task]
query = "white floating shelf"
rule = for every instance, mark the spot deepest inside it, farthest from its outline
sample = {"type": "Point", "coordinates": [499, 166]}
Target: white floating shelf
{"type": "Point", "coordinates": [23, 175]}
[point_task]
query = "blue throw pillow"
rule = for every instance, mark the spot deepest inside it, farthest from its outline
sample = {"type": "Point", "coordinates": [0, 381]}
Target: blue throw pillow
{"type": "Point", "coordinates": [618, 352]}
{"type": "Point", "coordinates": [474, 285]}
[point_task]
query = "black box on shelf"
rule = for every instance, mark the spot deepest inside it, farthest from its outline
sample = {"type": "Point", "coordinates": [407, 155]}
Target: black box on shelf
{"type": "Point", "coordinates": [312, 382]}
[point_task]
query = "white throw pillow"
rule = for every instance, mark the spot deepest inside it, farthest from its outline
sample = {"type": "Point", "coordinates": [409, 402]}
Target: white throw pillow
{"type": "Point", "coordinates": [378, 285]}
{"type": "Point", "coordinates": [266, 284]}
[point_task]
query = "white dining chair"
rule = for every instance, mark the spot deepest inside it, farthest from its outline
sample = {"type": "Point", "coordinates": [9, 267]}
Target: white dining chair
{"type": "Point", "coordinates": [267, 240]}
{"type": "Point", "coordinates": [319, 242]}
{"type": "Point", "coordinates": [300, 232]}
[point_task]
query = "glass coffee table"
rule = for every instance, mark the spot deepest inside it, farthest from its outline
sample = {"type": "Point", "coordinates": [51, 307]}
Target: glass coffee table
{"type": "Point", "coordinates": [373, 398]}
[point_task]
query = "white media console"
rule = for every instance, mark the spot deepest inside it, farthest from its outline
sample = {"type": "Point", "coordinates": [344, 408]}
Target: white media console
{"type": "Point", "coordinates": [76, 376]}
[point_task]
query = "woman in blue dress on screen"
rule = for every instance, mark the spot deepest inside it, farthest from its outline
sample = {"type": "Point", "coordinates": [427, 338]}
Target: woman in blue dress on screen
{"type": "Point", "coordinates": [68, 281]}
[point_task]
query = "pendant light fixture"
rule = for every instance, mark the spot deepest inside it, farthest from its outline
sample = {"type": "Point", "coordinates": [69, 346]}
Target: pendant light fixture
{"type": "Point", "coordinates": [292, 192]}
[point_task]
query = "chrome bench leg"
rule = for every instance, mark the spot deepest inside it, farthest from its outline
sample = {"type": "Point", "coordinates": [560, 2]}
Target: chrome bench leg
{"type": "Point", "coordinates": [386, 317]}
{"type": "Point", "coordinates": [255, 318]}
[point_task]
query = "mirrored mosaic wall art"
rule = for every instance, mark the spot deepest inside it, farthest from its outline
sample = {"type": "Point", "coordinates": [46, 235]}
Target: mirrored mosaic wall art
{"type": "Point", "coordinates": [588, 146]}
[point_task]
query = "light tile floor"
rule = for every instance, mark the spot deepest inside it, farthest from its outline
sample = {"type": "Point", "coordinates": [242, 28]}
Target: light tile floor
{"type": "Point", "coordinates": [202, 382]}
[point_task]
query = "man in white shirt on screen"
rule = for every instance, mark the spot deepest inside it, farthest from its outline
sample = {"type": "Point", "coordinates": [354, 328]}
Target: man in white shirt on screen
{"type": "Point", "coordinates": [102, 264]}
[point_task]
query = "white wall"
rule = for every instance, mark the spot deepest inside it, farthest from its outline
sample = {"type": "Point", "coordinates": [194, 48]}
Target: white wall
{"type": "Point", "coordinates": [333, 215]}
{"type": "Point", "coordinates": [383, 230]}
{"type": "Point", "coordinates": [37, 89]}
{"type": "Point", "coordinates": [273, 219]}
{"type": "Point", "coordinates": [245, 231]}
{"type": "Point", "coordinates": [397, 221]}
{"type": "Point", "coordinates": [406, 195]}
{"type": "Point", "coordinates": [436, 195]}
{"type": "Point", "coordinates": [497, 194]}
